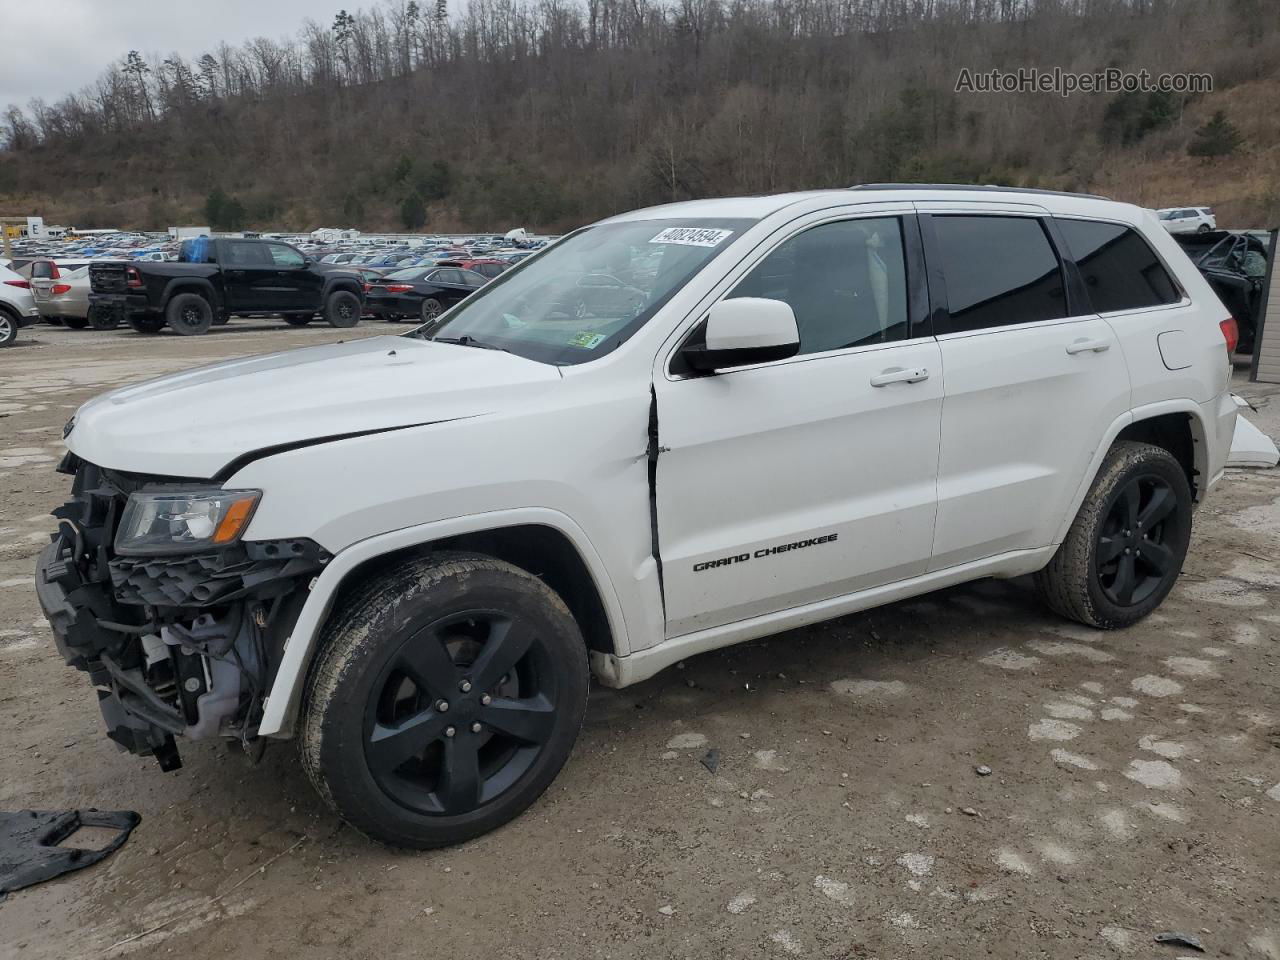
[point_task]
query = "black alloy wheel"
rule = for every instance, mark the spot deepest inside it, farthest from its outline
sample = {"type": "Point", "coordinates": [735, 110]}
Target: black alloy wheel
{"type": "Point", "coordinates": [1132, 559]}
{"type": "Point", "coordinates": [460, 713]}
{"type": "Point", "coordinates": [447, 694]}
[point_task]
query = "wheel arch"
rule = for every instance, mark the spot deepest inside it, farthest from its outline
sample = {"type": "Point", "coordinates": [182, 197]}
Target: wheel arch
{"type": "Point", "coordinates": [190, 285]}
{"type": "Point", "coordinates": [1175, 425]}
{"type": "Point", "coordinates": [349, 284]}
{"type": "Point", "coordinates": [543, 542]}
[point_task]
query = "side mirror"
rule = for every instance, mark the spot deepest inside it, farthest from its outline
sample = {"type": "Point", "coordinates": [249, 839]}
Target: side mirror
{"type": "Point", "coordinates": [744, 331]}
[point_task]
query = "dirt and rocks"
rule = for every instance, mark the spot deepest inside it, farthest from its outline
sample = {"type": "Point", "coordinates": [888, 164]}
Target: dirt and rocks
{"type": "Point", "coordinates": [1134, 783]}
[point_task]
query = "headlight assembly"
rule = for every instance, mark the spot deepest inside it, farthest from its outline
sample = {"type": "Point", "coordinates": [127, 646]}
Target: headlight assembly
{"type": "Point", "coordinates": [184, 521]}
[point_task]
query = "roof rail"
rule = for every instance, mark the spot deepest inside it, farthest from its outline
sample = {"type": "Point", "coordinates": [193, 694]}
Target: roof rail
{"type": "Point", "coordinates": [980, 187]}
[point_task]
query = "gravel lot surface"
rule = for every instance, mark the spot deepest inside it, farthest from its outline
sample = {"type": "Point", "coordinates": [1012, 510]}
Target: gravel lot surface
{"type": "Point", "coordinates": [961, 775]}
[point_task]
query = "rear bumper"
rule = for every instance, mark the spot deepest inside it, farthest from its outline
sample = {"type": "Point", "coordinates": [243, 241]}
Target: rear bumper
{"type": "Point", "coordinates": [400, 306]}
{"type": "Point", "coordinates": [1219, 419]}
{"type": "Point", "coordinates": [120, 303]}
{"type": "Point", "coordinates": [62, 308]}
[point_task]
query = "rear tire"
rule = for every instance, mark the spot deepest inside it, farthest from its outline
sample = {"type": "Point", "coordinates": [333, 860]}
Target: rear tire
{"type": "Point", "coordinates": [189, 314]}
{"type": "Point", "coordinates": [342, 309]}
{"type": "Point", "coordinates": [145, 323]}
{"type": "Point", "coordinates": [1126, 546]}
{"type": "Point", "coordinates": [447, 696]}
{"type": "Point", "coordinates": [101, 319]}
{"type": "Point", "coordinates": [75, 323]}
{"type": "Point", "coordinates": [431, 308]}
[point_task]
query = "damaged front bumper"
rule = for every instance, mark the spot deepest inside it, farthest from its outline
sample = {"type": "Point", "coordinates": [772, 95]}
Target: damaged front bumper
{"type": "Point", "coordinates": [176, 646]}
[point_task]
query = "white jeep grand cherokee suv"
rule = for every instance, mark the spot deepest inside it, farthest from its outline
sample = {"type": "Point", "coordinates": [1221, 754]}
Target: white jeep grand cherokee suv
{"type": "Point", "coordinates": [674, 430]}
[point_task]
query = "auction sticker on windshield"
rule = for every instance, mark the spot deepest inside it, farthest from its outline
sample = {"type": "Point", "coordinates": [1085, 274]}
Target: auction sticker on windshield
{"type": "Point", "coordinates": [692, 236]}
{"type": "Point", "coordinates": [586, 339]}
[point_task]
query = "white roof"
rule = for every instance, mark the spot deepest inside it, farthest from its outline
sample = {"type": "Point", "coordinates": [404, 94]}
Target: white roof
{"type": "Point", "coordinates": [757, 208]}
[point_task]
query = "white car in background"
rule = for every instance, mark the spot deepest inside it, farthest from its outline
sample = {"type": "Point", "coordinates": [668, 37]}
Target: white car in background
{"type": "Point", "coordinates": [1187, 219]}
{"type": "Point", "coordinates": [17, 306]}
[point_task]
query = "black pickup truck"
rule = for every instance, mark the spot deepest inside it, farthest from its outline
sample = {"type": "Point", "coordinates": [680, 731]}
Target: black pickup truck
{"type": "Point", "coordinates": [223, 277]}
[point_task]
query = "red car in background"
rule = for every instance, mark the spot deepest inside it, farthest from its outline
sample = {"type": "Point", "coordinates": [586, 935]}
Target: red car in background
{"type": "Point", "coordinates": [487, 267]}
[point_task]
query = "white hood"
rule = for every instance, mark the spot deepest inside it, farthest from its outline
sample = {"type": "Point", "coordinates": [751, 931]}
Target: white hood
{"type": "Point", "coordinates": [194, 424]}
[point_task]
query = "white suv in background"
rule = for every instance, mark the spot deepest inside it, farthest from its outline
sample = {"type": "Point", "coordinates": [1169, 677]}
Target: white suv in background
{"type": "Point", "coordinates": [673, 430]}
{"type": "Point", "coordinates": [1187, 219]}
{"type": "Point", "coordinates": [17, 306]}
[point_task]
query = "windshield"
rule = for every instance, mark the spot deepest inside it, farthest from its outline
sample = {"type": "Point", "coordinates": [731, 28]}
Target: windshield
{"type": "Point", "coordinates": [585, 295]}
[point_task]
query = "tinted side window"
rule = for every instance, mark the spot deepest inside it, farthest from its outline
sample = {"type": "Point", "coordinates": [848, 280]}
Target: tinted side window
{"type": "Point", "coordinates": [246, 254]}
{"type": "Point", "coordinates": [1120, 271]}
{"type": "Point", "coordinates": [42, 270]}
{"type": "Point", "coordinates": [845, 281]}
{"type": "Point", "coordinates": [999, 271]}
{"type": "Point", "coordinates": [284, 256]}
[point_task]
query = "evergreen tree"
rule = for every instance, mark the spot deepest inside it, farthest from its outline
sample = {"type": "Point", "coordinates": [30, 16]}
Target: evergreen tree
{"type": "Point", "coordinates": [1217, 138]}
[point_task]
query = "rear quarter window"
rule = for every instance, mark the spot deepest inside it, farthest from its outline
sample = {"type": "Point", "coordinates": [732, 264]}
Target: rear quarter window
{"type": "Point", "coordinates": [1119, 268]}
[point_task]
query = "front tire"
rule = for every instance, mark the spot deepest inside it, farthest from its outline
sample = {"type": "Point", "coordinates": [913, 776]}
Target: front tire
{"type": "Point", "coordinates": [189, 314]}
{"type": "Point", "coordinates": [1126, 547]}
{"type": "Point", "coordinates": [342, 309]}
{"type": "Point", "coordinates": [447, 696]}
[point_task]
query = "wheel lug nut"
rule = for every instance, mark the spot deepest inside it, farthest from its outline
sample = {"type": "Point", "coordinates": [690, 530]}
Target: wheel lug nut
{"type": "Point", "coordinates": [449, 731]}
{"type": "Point", "coordinates": [465, 686]}
{"type": "Point", "coordinates": [486, 700]}
{"type": "Point", "coordinates": [442, 706]}
{"type": "Point", "coordinates": [1127, 551]}
{"type": "Point", "coordinates": [475, 727]}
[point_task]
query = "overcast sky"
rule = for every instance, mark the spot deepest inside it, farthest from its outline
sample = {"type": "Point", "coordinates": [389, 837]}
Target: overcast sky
{"type": "Point", "coordinates": [49, 48]}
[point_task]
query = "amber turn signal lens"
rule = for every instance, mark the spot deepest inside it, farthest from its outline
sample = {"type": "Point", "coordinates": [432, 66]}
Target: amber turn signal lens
{"type": "Point", "coordinates": [234, 520]}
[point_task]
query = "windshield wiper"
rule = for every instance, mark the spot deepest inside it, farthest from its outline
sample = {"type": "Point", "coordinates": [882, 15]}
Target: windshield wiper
{"type": "Point", "coordinates": [466, 340]}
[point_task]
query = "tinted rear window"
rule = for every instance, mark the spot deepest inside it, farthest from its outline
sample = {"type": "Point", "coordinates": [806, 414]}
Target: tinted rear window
{"type": "Point", "coordinates": [1119, 268]}
{"type": "Point", "coordinates": [999, 271]}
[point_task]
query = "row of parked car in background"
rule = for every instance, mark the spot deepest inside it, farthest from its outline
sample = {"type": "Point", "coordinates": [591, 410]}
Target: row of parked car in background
{"type": "Point", "coordinates": [193, 284]}
{"type": "Point", "coordinates": [149, 282]}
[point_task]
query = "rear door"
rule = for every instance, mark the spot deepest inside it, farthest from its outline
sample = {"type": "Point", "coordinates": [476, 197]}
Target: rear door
{"type": "Point", "coordinates": [1033, 379]}
{"type": "Point", "coordinates": [249, 276]}
{"type": "Point", "coordinates": [788, 483]}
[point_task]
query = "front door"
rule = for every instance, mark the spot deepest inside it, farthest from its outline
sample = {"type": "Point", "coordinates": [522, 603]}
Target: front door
{"type": "Point", "coordinates": [297, 285]}
{"type": "Point", "coordinates": [792, 482]}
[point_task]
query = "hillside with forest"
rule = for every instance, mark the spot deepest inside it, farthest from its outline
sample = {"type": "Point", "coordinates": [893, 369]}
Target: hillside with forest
{"type": "Point", "coordinates": [550, 113]}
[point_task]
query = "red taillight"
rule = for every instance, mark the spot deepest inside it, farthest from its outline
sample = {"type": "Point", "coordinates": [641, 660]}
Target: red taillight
{"type": "Point", "coordinates": [24, 284]}
{"type": "Point", "coordinates": [367, 287]}
{"type": "Point", "coordinates": [60, 288]}
{"type": "Point", "coordinates": [133, 277]}
{"type": "Point", "coordinates": [398, 287]}
{"type": "Point", "coordinates": [1231, 334]}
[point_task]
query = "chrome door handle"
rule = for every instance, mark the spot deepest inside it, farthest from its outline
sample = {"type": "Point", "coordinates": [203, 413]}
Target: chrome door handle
{"type": "Point", "coordinates": [899, 375]}
{"type": "Point", "coordinates": [1081, 346]}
